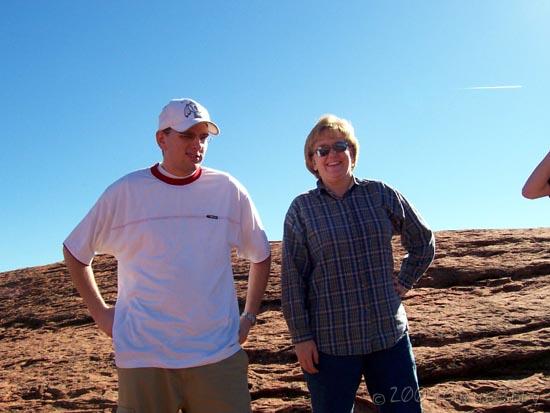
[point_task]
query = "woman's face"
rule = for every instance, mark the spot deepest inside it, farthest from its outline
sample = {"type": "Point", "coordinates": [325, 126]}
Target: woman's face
{"type": "Point", "coordinates": [335, 167]}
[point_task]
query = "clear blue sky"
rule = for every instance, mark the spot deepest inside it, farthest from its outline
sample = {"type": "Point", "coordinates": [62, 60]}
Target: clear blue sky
{"type": "Point", "coordinates": [82, 83]}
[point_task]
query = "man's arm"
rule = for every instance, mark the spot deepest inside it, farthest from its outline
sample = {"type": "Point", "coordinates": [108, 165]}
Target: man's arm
{"type": "Point", "coordinates": [84, 280]}
{"type": "Point", "coordinates": [538, 183]}
{"type": "Point", "coordinates": [257, 283]}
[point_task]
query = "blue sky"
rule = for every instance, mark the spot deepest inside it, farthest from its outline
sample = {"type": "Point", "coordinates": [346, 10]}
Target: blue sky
{"type": "Point", "coordinates": [449, 100]}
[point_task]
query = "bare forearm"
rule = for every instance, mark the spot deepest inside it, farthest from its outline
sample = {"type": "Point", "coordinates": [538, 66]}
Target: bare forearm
{"type": "Point", "coordinates": [537, 184]}
{"type": "Point", "coordinates": [84, 280]}
{"type": "Point", "coordinates": [257, 283]}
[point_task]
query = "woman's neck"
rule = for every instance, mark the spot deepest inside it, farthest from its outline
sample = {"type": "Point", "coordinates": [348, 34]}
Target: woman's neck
{"type": "Point", "coordinates": [339, 188]}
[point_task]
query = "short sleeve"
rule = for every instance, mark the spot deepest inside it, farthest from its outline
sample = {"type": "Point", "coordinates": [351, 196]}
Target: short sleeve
{"type": "Point", "coordinates": [253, 243]}
{"type": "Point", "coordinates": [90, 236]}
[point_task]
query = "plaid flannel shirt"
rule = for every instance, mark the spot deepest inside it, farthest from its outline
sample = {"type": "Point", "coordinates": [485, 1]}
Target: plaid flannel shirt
{"type": "Point", "coordinates": [337, 266]}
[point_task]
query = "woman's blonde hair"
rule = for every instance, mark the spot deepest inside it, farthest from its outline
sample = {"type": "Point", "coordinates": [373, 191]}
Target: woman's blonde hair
{"type": "Point", "coordinates": [332, 123]}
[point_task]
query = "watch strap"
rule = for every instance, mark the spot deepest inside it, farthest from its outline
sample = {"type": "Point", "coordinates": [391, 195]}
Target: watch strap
{"type": "Point", "coordinates": [249, 316]}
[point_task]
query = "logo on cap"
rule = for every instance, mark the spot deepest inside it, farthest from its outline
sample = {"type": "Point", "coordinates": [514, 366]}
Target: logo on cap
{"type": "Point", "coordinates": [191, 109]}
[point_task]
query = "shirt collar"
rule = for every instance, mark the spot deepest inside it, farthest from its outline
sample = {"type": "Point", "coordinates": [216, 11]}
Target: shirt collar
{"type": "Point", "coordinates": [321, 188]}
{"type": "Point", "coordinates": [171, 181]}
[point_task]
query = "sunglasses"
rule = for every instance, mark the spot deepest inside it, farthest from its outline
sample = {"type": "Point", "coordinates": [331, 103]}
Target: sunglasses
{"type": "Point", "coordinates": [337, 147]}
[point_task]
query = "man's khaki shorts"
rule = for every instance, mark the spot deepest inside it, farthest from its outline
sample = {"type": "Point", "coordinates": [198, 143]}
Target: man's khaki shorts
{"type": "Point", "coordinates": [220, 387]}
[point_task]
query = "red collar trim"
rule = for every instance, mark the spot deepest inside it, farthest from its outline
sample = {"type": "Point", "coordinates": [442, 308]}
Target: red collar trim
{"type": "Point", "coordinates": [172, 181]}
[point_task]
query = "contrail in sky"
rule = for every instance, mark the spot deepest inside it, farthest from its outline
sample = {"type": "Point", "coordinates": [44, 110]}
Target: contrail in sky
{"type": "Point", "coordinates": [494, 87]}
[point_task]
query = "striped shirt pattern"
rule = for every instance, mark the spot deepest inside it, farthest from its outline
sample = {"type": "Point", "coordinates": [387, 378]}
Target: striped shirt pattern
{"type": "Point", "coordinates": [337, 266]}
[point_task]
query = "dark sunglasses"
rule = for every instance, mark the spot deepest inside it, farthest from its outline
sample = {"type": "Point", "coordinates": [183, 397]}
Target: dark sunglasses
{"type": "Point", "coordinates": [337, 147]}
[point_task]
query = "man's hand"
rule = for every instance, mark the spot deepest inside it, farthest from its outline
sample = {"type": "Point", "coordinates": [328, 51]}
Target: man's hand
{"type": "Point", "coordinates": [84, 281]}
{"type": "Point", "coordinates": [244, 329]}
{"type": "Point", "coordinates": [104, 319]}
{"type": "Point", "coordinates": [307, 354]}
{"type": "Point", "coordinates": [257, 283]}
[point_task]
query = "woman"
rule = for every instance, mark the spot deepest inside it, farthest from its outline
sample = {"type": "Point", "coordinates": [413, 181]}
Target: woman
{"type": "Point", "coordinates": [340, 298]}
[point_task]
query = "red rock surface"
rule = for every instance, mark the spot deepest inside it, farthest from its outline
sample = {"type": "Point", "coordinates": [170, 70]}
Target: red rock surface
{"type": "Point", "coordinates": [479, 321]}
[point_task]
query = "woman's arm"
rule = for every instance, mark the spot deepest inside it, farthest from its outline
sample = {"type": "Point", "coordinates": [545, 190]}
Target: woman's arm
{"type": "Point", "coordinates": [538, 183]}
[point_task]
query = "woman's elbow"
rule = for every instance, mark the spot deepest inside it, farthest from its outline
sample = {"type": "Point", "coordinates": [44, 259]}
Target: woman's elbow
{"type": "Point", "coordinates": [531, 193]}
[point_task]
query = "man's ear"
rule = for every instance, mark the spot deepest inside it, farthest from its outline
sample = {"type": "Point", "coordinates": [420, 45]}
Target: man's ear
{"type": "Point", "coordinates": [160, 135]}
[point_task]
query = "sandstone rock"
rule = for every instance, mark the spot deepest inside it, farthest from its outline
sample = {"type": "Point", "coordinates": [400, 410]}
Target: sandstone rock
{"type": "Point", "coordinates": [479, 322]}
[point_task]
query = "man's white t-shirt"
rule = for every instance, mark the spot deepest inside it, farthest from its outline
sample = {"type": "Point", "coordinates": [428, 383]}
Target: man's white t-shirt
{"type": "Point", "coordinates": [176, 304]}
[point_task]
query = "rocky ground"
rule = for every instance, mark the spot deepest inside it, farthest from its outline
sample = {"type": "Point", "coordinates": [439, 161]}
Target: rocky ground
{"type": "Point", "coordinates": [479, 322]}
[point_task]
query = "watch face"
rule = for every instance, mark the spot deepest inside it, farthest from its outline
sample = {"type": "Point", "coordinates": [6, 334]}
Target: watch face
{"type": "Point", "coordinates": [250, 317]}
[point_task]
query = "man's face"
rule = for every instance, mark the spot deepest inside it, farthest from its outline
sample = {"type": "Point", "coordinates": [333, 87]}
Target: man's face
{"type": "Point", "coordinates": [183, 152]}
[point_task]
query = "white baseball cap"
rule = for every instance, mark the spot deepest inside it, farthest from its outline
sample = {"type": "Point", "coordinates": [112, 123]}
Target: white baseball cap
{"type": "Point", "coordinates": [181, 114]}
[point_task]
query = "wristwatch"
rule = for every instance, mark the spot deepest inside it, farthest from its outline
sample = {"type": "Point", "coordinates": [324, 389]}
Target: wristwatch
{"type": "Point", "coordinates": [249, 316]}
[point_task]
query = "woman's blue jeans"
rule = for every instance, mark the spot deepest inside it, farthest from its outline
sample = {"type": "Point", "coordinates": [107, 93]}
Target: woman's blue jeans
{"type": "Point", "coordinates": [390, 376]}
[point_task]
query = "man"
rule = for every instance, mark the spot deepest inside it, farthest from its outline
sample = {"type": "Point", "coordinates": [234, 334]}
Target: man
{"type": "Point", "coordinates": [175, 326]}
